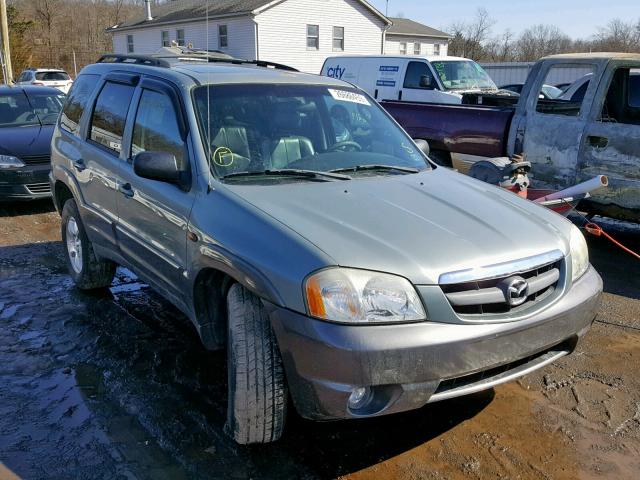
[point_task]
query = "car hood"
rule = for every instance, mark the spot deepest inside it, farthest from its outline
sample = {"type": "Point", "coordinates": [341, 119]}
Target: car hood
{"type": "Point", "coordinates": [418, 226]}
{"type": "Point", "coordinates": [27, 141]}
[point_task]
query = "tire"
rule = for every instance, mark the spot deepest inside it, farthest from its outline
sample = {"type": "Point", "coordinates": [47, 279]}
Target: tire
{"type": "Point", "coordinates": [88, 272]}
{"type": "Point", "coordinates": [257, 393]}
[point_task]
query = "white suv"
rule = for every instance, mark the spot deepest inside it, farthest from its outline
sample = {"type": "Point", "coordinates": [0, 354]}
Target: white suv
{"type": "Point", "coordinates": [50, 77]}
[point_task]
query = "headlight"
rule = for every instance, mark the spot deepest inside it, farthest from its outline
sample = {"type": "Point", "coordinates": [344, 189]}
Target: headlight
{"type": "Point", "coordinates": [579, 253]}
{"type": "Point", "coordinates": [9, 161]}
{"type": "Point", "coordinates": [359, 296]}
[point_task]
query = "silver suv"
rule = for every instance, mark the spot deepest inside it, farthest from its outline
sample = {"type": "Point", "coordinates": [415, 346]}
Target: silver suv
{"type": "Point", "coordinates": [47, 77]}
{"type": "Point", "coordinates": [297, 225]}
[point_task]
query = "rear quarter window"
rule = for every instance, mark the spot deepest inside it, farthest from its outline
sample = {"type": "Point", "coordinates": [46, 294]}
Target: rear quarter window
{"type": "Point", "coordinates": [77, 101]}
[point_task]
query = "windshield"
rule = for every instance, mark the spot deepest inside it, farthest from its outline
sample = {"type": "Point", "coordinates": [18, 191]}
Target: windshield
{"type": "Point", "coordinates": [258, 128]}
{"type": "Point", "coordinates": [17, 110]}
{"type": "Point", "coordinates": [463, 75]}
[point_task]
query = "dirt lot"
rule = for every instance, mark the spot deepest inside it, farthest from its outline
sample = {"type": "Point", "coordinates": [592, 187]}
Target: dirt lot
{"type": "Point", "coordinates": [116, 385]}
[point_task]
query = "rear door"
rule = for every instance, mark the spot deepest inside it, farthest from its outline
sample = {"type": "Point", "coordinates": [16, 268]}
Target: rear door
{"type": "Point", "coordinates": [549, 132]}
{"type": "Point", "coordinates": [611, 141]}
{"type": "Point", "coordinates": [153, 215]}
{"type": "Point", "coordinates": [97, 159]}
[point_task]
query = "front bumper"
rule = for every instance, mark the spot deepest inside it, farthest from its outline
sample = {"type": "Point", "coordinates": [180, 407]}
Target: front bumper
{"type": "Point", "coordinates": [30, 182]}
{"type": "Point", "coordinates": [409, 365]}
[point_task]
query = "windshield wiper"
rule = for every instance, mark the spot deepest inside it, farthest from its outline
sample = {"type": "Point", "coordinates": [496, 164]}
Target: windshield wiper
{"type": "Point", "coordinates": [359, 168]}
{"type": "Point", "coordinates": [289, 172]}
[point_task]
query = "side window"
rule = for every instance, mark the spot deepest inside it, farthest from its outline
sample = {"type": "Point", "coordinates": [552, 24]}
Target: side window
{"type": "Point", "coordinates": [76, 102]}
{"type": "Point", "coordinates": [419, 76]}
{"type": "Point", "coordinates": [634, 88]}
{"type": "Point", "coordinates": [622, 102]}
{"type": "Point", "coordinates": [569, 102]}
{"type": "Point", "coordinates": [109, 116]}
{"type": "Point", "coordinates": [156, 127]}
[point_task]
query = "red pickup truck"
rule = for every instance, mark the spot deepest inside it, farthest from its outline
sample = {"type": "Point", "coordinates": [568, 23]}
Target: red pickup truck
{"type": "Point", "coordinates": [593, 128]}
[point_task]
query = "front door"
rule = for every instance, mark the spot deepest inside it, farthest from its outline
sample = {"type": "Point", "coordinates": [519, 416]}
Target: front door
{"type": "Point", "coordinates": [420, 85]}
{"type": "Point", "coordinates": [153, 215]}
{"type": "Point", "coordinates": [611, 143]}
{"type": "Point", "coordinates": [550, 132]}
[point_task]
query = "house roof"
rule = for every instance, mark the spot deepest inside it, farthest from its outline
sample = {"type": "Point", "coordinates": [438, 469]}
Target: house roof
{"type": "Point", "coordinates": [189, 10]}
{"type": "Point", "coordinates": [404, 26]}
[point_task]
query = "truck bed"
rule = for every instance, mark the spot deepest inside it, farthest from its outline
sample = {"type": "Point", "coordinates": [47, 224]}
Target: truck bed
{"type": "Point", "coordinates": [466, 129]}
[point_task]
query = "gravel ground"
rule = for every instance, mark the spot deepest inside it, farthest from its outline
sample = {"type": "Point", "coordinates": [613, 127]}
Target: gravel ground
{"type": "Point", "coordinates": [116, 385]}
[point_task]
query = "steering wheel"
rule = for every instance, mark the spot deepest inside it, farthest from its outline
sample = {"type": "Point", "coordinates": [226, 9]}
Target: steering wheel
{"type": "Point", "coordinates": [345, 146]}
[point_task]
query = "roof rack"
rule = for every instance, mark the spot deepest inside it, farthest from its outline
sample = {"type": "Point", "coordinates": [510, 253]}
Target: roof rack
{"type": "Point", "coordinates": [165, 61]}
{"type": "Point", "coordinates": [135, 59]}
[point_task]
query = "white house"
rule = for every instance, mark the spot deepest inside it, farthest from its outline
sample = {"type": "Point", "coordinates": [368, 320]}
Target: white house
{"type": "Point", "coordinates": [406, 37]}
{"type": "Point", "coordinates": [299, 33]}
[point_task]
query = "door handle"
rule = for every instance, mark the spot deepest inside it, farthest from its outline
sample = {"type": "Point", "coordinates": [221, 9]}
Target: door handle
{"type": "Point", "coordinates": [598, 142]}
{"type": "Point", "coordinates": [125, 189]}
{"type": "Point", "coordinates": [79, 165]}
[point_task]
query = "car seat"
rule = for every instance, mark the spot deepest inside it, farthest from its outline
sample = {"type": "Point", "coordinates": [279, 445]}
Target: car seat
{"type": "Point", "coordinates": [286, 145]}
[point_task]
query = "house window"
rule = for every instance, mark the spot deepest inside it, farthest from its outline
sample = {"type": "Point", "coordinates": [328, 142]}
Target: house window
{"type": "Point", "coordinates": [338, 39]}
{"type": "Point", "coordinates": [180, 37]}
{"type": "Point", "coordinates": [313, 37]}
{"type": "Point", "coordinates": [223, 37]}
{"type": "Point", "coordinates": [129, 43]}
{"type": "Point", "coordinates": [165, 39]}
{"type": "Point", "coordinates": [403, 48]}
{"type": "Point", "coordinates": [416, 49]}
{"type": "Point", "coordinates": [436, 49]}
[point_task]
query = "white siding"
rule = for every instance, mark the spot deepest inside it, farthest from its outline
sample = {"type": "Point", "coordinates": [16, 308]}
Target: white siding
{"type": "Point", "coordinates": [392, 45]}
{"type": "Point", "coordinates": [282, 31]}
{"type": "Point", "coordinates": [240, 34]}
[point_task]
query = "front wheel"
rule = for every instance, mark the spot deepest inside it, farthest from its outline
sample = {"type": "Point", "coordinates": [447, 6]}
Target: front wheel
{"type": "Point", "coordinates": [87, 270]}
{"type": "Point", "coordinates": [257, 389]}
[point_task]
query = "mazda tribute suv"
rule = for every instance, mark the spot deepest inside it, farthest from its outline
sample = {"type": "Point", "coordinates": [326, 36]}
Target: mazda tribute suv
{"type": "Point", "coordinates": [299, 227]}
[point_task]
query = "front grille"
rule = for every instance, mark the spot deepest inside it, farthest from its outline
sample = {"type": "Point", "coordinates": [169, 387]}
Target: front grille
{"type": "Point", "coordinates": [36, 160]}
{"type": "Point", "coordinates": [491, 296]}
{"type": "Point", "coordinates": [39, 187]}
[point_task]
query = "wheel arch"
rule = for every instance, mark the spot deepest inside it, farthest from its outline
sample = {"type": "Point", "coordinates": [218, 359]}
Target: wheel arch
{"type": "Point", "coordinates": [210, 287]}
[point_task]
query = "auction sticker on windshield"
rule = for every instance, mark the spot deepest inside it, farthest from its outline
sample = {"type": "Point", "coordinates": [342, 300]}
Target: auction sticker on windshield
{"type": "Point", "coordinates": [352, 97]}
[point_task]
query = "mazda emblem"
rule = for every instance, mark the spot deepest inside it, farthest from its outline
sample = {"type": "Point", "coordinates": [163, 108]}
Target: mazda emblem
{"type": "Point", "coordinates": [516, 290]}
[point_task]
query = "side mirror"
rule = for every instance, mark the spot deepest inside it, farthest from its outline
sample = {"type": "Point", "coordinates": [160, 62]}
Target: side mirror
{"type": "Point", "coordinates": [425, 81]}
{"type": "Point", "coordinates": [423, 145]}
{"type": "Point", "coordinates": [160, 166]}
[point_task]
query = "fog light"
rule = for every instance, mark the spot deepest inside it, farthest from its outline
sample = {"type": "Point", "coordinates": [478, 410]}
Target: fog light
{"type": "Point", "coordinates": [360, 397]}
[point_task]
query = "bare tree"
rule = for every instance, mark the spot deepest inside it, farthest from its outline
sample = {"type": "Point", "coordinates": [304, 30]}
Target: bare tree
{"type": "Point", "coordinates": [541, 40]}
{"type": "Point", "coordinates": [468, 38]}
{"type": "Point", "coordinates": [619, 36]}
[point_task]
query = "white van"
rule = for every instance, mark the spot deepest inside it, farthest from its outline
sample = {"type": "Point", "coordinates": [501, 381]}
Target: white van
{"type": "Point", "coordinates": [411, 78]}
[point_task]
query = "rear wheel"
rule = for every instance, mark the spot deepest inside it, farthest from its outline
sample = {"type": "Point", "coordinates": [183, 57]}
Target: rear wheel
{"type": "Point", "coordinates": [88, 272]}
{"type": "Point", "coordinates": [257, 389]}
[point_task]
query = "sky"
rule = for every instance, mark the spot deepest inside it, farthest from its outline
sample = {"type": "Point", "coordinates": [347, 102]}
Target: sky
{"type": "Point", "coordinates": [576, 18]}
